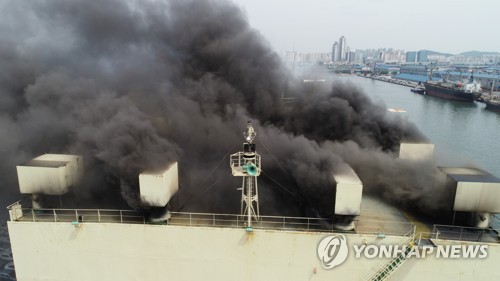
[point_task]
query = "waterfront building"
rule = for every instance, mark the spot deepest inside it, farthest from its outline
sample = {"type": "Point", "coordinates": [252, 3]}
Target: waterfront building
{"type": "Point", "coordinates": [351, 56]}
{"type": "Point", "coordinates": [386, 69]}
{"type": "Point", "coordinates": [422, 56]}
{"type": "Point", "coordinates": [411, 56]}
{"type": "Point", "coordinates": [414, 69]}
{"type": "Point", "coordinates": [360, 57]}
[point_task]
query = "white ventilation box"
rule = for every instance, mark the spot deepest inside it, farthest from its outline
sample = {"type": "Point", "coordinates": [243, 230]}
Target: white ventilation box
{"type": "Point", "coordinates": [349, 190]}
{"type": "Point", "coordinates": [475, 190]}
{"type": "Point", "coordinates": [51, 174]}
{"type": "Point", "coordinates": [157, 188]}
{"type": "Point", "coordinates": [416, 151]}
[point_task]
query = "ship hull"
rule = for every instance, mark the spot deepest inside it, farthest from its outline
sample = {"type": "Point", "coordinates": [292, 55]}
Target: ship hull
{"type": "Point", "coordinates": [104, 251]}
{"type": "Point", "coordinates": [119, 251]}
{"type": "Point", "coordinates": [448, 93]}
{"type": "Point", "coordinates": [493, 106]}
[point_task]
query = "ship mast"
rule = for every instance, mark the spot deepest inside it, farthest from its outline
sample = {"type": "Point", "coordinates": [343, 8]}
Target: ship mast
{"type": "Point", "coordinates": [246, 164]}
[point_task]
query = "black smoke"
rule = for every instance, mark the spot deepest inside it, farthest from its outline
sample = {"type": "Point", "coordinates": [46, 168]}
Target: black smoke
{"type": "Point", "coordinates": [135, 85]}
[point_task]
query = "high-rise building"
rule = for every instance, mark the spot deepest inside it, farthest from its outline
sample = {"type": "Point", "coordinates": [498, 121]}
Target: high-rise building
{"type": "Point", "coordinates": [360, 57]}
{"type": "Point", "coordinates": [351, 56]}
{"type": "Point", "coordinates": [342, 49]}
{"type": "Point", "coordinates": [422, 56]}
{"type": "Point", "coordinates": [411, 56]}
{"type": "Point", "coordinates": [335, 51]}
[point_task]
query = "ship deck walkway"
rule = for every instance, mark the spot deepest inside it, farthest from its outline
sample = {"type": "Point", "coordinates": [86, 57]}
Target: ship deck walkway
{"type": "Point", "coordinates": [376, 218]}
{"type": "Point", "coordinates": [371, 223]}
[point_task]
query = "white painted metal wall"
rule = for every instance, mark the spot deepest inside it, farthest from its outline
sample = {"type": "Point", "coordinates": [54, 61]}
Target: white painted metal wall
{"type": "Point", "coordinates": [477, 197]}
{"type": "Point", "coordinates": [51, 174]}
{"type": "Point", "coordinates": [432, 268]}
{"type": "Point", "coordinates": [349, 191]}
{"type": "Point", "coordinates": [416, 151]}
{"type": "Point", "coordinates": [156, 188]}
{"type": "Point", "coordinates": [100, 251]}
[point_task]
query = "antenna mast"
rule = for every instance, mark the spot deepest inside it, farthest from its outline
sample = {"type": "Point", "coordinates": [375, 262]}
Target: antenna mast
{"type": "Point", "coordinates": [246, 164]}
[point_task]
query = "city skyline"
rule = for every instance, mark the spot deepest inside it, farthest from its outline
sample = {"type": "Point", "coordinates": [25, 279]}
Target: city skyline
{"type": "Point", "coordinates": [445, 26]}
{"type": "Point", "coordinates": [388, 55]}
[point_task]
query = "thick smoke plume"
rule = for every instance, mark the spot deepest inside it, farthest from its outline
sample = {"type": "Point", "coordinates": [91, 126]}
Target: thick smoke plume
{"type": "Point", "coordinates": [135, 85]}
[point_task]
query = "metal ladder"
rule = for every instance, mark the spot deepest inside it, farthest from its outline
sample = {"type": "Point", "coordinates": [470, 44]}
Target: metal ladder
{"type": "Point", "coordinates": [387, 269]}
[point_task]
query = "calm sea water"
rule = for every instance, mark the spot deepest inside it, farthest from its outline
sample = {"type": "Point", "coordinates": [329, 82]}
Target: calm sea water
{"type": "Point", "coordinates": [463, 133]}
{"type": "Point", "coordinates": [6, 262]}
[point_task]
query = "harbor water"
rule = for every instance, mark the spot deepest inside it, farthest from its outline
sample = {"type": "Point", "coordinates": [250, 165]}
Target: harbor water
{"type": "Point", "coordinates": [463, 133]}
{"type": "Point", "coordinates": [6, 261]}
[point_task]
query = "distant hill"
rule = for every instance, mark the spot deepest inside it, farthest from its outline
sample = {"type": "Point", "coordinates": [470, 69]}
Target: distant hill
{"type": "Point", "coordinates": [478, 54]}
{"type": "Point", "coordinates": [465, 54]}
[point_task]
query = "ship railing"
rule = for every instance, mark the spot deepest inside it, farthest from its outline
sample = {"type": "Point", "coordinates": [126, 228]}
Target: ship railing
{"type": "Point", "coordinates": [77, 216]}
{"type": "Point", "coordinates": [264, 222]}
{"type": "Point", "coordinates": [467, 234]}
{"type": "Point", "coordinates": [292, 223]}
{"type": "Point", "coordinates": [423, 239]}
{"type": "Point", "coordinates": [383, 228]}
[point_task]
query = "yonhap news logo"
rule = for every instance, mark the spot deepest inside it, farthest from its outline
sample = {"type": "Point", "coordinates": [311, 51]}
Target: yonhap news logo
{"type": "Point", "coordinates": [333, 251]}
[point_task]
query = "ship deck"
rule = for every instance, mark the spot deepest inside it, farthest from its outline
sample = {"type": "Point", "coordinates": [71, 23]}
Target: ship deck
{"type": "Point", "coordinates": [376, 218]}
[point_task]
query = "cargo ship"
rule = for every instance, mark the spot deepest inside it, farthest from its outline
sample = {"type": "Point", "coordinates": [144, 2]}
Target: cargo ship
{"type": "Point", "coordinates": [374, 241]}
{"type": "Point", "coordinates": [459, 91]}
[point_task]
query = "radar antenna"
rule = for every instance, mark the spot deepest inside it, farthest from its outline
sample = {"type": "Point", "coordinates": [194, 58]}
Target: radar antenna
{"type": "Point", "coordinates": [246, 164]}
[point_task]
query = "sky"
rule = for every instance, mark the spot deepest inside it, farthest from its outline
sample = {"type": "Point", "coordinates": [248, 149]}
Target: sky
{"type": "Point", "coordinates": [312, 26]}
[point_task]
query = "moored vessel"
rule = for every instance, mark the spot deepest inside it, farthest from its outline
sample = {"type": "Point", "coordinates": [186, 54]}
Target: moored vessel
{"type": "Point", "coordinates": [493, 104]}
{"type": "Point", "coordinates": [418, 90]}
{"type": "Point", "coordinates": [458, 91]}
